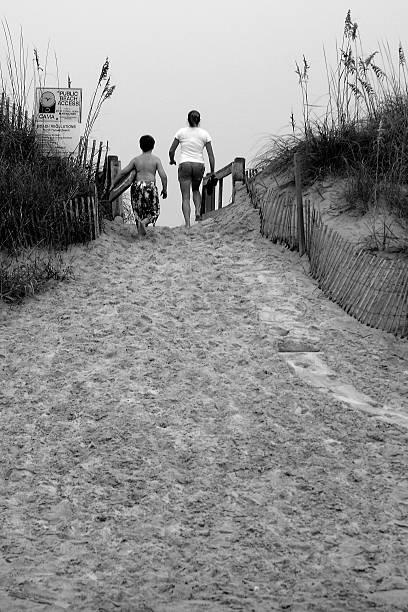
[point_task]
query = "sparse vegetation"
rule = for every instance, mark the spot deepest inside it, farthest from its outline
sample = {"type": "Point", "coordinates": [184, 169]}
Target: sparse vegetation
{"type": "Point", "coordinates": [29, 272]}
{"type": "Point", "coordinates": [362, 135]}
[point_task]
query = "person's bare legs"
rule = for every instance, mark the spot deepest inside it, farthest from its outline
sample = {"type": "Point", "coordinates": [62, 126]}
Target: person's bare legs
{"type": "Point", "coordinates": [197, 202]}
{"type": "Point", "coordinates": [185, 185]}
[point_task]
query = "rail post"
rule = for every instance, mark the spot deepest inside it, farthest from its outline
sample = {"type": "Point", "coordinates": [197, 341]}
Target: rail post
{"type": "Point", "coordinates": [114, 169]}
{"type": "Point", "coordinates": [238, 173]}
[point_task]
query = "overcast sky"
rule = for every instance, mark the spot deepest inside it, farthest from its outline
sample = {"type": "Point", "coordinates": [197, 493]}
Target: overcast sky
{"type": "Point", "coordinates": [232, 60]}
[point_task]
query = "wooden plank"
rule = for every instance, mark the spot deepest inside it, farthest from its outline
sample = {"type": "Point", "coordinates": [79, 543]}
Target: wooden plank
{"type": "Point", "coordinates": [299, 202]}
{"type": "Point", "coordinates": [362, 285]}
{"type": "Point", "coordinates": [220, 186]}
{"type": "Point", "coordinates": [90, 217]}
{"type": "Point", "coordinates": [403, 310]}
{"type": "Point", "coordinates": [272, 218]}
{"type": "Point", "coordinates": [98, 160]}
{"type": "Point", "coordinates": [384, 320]}
{"type": "Point", "coordinates": [275, 228]}
{"type": "Point", "coordinates": [336, 257]}
{"type": "Point", "coordinates": [352, 278]}
{"type": "Point", "coordinates": [324, 255]}
{"type": "Point", "coordinates": [223, 172]}
{"type": "Point", "coordinates": [71, 215]}
{"type": "Point", "coordinates": [203, 199]}
{"type": "Point", "coordinates": [348, 252]}
{"type": "Point", "coordinates": [314, 229]}
{"type": "Point", "coordinates": [117, 205]}
{"type": "Point", "coordinates": [210, 198]}
{"type": "Point", "coordinates": [371, 293]}
{"type": "Point", "coordinates": [96, 211]}
{"type": "Point", "coordinates": [85, 152]}
{"type": "Point", "coordinates": [308, 226]}
{"type": "Point", "coordinates": [90, 168]}
{"type": "Point", "coordinates": [320, 248]}
{"type": "Point", "coordinates": [238, 170]}
{"type": "Point", "coordinates": [332, 252]}
{"type": "Point", "coordinates": [268, 211]}
{"type": "Point", "coordinates": [65, 222]}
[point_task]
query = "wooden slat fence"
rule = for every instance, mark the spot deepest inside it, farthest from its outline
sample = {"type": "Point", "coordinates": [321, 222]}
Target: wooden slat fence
{"type": "Point", "coordinates": [77, 219]}
{"type": "Point", "coordinates": [369, 286]}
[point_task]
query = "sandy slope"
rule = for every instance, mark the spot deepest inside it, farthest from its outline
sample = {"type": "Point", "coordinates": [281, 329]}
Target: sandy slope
{"type": "Point", "coordinates": [166, 447]}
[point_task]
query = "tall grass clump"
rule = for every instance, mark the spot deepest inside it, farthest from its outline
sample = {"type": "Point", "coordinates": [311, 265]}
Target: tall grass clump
{"type": "Point", "coordinates": [362, 134]}
{"type": "Point", "coordinates": [36, 189]}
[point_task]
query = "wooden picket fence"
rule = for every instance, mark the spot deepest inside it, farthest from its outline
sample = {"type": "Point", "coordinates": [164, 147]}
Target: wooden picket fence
{"type": "Point", "coordinates": [78, 219]}
{"type": "Point", "coordinates": [369, 286]}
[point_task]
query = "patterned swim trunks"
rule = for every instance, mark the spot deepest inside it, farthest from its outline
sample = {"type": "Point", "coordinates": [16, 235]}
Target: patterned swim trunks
{"type": "Point", "coordinates": [145, 201]}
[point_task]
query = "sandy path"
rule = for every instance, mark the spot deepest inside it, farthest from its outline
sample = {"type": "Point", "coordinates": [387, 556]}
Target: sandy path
{"type": "Point", "coordinates": [162, 451]}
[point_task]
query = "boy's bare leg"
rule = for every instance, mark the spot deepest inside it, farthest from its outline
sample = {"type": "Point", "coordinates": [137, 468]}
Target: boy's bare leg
{"type": "Point", "coordinates": [197, 203]}
{"type": "Point", "coordinates": [141, 230]}
{"type": "Point", "coordinates": [185, 200]}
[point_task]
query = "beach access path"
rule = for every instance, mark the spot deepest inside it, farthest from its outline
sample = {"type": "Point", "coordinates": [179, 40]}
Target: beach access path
{"type": "Point", "coordinates": [190, 425]}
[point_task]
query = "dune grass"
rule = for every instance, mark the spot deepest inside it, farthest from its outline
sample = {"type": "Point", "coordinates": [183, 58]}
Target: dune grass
{"type": "Point", "coordinates": [35, 189]}
{"type": "Point", "coordinates": [362, 135]}
{"type": "Point", "coordinates": [30, 271]}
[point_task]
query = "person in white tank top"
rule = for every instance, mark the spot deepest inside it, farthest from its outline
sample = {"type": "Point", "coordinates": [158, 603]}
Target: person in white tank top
{"type": "Point", "coordinates": [192, 140]}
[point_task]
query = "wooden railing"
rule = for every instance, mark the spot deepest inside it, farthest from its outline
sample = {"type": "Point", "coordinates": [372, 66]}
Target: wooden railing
{"type": "Point", "coordinates": [237, 171]}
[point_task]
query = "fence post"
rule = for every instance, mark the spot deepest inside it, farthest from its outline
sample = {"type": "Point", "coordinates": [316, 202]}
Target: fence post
{"type": "Point", "coordinates": [117, 205]}
{"type": "Point", "coordinates": [207, 201]}
{"type": "Point", "coordinates": [299, 202]}
{"type": "Point", "coordinates": [220, 193]}
{"type": "Point", "coordinates": [238, 173]}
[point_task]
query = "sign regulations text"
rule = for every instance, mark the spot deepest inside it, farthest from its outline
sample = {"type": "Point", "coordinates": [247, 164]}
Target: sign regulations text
{"type": "Point", "coordinates": [58, 116]}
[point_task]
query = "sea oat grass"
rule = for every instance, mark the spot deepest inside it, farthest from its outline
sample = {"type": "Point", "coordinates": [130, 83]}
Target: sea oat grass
{"type": "Point", "coordinates": [363, 133]}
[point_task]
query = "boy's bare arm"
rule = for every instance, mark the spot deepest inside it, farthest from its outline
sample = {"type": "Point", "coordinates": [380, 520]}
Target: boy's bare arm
{"type": "Point", "coordinates": [163, 178]}
{"type": "Point", "coordinates": [123, 173]}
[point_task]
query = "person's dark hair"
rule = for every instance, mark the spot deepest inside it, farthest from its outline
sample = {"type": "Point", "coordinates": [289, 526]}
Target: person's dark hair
{"type": "Point", "coordinates": [193, 118]}
{"type": "Point", "coordinates": [147, 143]}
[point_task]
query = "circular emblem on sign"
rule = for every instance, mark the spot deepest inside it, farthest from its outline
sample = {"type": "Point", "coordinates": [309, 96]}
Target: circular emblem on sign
{"type": "Point", "coordinates": [47, 102]}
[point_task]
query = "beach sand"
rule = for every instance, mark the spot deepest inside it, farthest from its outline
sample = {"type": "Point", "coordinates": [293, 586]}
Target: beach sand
{"type": "Point", "coordinates": [191, 425]}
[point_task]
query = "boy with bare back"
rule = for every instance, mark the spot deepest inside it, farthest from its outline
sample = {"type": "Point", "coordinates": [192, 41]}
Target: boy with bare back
{"type": "Point", "coordinates": [143, 191]}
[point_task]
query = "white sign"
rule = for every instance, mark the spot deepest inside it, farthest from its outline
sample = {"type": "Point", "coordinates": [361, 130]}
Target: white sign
{"type": "Point", "coordinates": [58, 116]}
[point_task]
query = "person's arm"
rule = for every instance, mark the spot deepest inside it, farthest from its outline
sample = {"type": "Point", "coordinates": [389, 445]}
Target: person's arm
{"type": "Point", "coordinates": [163, 178]}
{"type": "Point", "coordinates": [122, 173]}
{"type": "Point", "coordinates": [172, 151]}
{"type": "Point", "coordinates": [211, 157]}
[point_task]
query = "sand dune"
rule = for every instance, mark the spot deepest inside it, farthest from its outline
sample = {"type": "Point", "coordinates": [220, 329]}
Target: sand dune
{"type": "Point", "coordinates": [165, 446]}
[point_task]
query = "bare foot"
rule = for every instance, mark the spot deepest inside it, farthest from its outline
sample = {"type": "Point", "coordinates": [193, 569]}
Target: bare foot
{"type": "Point", "coordinates": [141, 230]}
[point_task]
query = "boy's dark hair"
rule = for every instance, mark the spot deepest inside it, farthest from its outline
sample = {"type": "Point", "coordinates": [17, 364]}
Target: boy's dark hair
{"type": "Point", "coordinates": [147, 143]}
{"type": "Point", "coordinates": [193, 118]}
